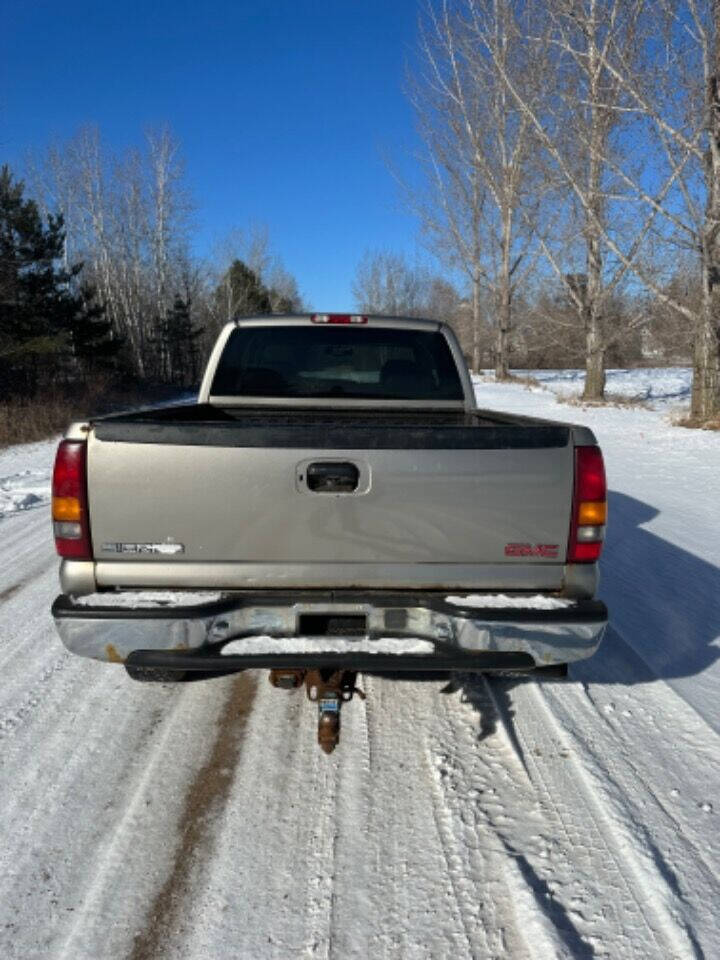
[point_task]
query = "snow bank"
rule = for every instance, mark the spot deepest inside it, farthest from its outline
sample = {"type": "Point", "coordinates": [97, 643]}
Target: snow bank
{"type": "Point", "coordinates": [660, 388]}
{"type": "Point", "coordinates": [326, 645]}
{"type": "Point", "coordinates": [132, 599]}
{"type": "Point", "coordinates": [25, 475]}
{"type": "Point", "coordinates": [500, 601]}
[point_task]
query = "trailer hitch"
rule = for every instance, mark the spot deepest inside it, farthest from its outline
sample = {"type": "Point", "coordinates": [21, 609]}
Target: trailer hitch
{"type": "Point", "coordinates": [330, 689]}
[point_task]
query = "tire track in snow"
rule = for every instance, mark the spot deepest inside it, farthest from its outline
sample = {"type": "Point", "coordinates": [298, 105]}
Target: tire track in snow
{"type": "Point", "coordinates": [32, 697]}
{"type": "Point", "coordinates": [572, 894]}
{"type": "Point", "coordinates": [328, 856]}
{"type": "Point", "coordinates": [31, 654]}
{"type": "Point", "coordinates": [472, 776]}
{"type": "Point", "coordinates": [417, 911]}
{"type": "Point", "coordinates": [687, 725]}
{"type": "Point", "coordinates": [11, 591]}
{"type": "Point", "coordinates": [64, 785]}
{"type": "Point", "coordinates": [640, 886]}
{"type": "Point", "coordinates": [639, 918]}
{"type": "Point", "coordinates": [28, 580]}
{"type": "Point", "coordinates": [132, 861]}
{"type": "Point", "coordinates": [475, 922]}
{"type": "Point", "coordinates": [666, 846]}
{"type": "Point", "coordinates": [391, 902]}
{"type": "Point", "coordinates": [248, 891]}
{"type": "Point", "coordinates": [344, 839]}
{"type": "Point", "coordinates": [321, 858]}
{"type": "Point", "coordinates": [26, 544]}
{"type": "Point", "coordinates": [353, 921]}
{"type": "Point", "coordinates": [207, 794]}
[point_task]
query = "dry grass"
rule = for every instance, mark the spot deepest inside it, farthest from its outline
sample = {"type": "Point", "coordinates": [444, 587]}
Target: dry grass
{"type": "Point", "coordinates": [694, 424]}
{"type": "Point", "coordinates": [33, 420]}
{"type": "Point", "coordinates": [526, 381]}
{"type": "Point", "coordinates": [490, 377]}
{"type": "Point", "coordinates": [26, 421]}
{"type": "Point", "coordinates": [615, 400]}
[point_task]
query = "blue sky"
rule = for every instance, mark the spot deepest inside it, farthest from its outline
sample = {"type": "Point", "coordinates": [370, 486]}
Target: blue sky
{"type": "Point", "coordinates": [285, 110]}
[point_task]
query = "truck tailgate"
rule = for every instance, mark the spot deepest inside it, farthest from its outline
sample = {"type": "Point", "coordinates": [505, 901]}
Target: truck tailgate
{"type": "Point", "coordinates": [466, 506]}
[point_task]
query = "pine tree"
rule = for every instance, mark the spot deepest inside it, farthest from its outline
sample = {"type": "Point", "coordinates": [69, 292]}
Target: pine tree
{"type": "Point", "coordinates": [92, 344]}
{"type": "Point", "coordinates": [178, 345]}
{"type": "Point", "coordinates": [242, 293]}
{"type": "Point", "coordinates": [47, 318]}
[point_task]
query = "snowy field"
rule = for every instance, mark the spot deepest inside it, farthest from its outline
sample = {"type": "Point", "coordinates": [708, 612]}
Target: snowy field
{"type": "Point", "coordinates": [482, 819]}
{"type": "Point", "coordinates": [664, 388]}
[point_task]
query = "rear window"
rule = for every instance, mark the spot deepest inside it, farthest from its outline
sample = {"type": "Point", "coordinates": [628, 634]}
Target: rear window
{"type": "Point", "coordinates": [340, 361]}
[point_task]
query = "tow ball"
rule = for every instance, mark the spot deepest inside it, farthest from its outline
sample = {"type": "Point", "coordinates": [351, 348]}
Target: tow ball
{"type": "Point", "coordinates": [330, 689]}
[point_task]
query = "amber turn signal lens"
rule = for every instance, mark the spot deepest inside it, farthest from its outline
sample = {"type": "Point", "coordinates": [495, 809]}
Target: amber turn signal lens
{"type": "Point", "coordinates": [592, 512]}
{"type": "Point", "coordinates": [67, 509]}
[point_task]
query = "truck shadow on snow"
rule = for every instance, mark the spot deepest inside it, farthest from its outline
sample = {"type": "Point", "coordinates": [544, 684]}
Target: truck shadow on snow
{"type": "Point", "coordinates": [664, 606]}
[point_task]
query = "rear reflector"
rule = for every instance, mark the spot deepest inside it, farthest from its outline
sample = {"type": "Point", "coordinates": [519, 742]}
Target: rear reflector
{"type": "Point", "coordinates": [71, 525]}
{"type": "Point", "coordinates": [338, 318]}
{"type": "Point", "coordinates": [589, 508]}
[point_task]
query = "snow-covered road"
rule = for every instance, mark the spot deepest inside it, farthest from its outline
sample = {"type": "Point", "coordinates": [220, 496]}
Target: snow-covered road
{"type": "Point", "coordinates": [497, 818]}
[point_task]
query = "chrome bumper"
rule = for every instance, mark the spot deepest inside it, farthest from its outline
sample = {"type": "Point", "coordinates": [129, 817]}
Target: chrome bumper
{"type": "Point", "coordinates": [463, 638]}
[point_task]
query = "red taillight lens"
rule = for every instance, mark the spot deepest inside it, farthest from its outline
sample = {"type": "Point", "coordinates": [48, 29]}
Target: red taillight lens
{"type": "Point", "coordinates": [338, 318]}
{"type": "Point", "coordinates": [586, 552]}
{"type": "Point", "coordinates": [587, 525]}
{"type": "Point", "coordinates": [589, 474]}
{"type": "Point", "coordinates": [71, 524]}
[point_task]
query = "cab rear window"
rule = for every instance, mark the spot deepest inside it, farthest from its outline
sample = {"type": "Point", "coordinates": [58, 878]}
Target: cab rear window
{"type": "Point", "coordinates": [340, 361]}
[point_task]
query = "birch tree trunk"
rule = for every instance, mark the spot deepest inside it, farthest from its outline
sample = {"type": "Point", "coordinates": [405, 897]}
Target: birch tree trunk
{"type": "Point", "coordinates": [705, 399]}
{"type": "Point", "coordinates": [594, 216]}
{"type": "Point", "coordinates": [476, 317]}
{"type": "Point", "coordinates": [504, 290]}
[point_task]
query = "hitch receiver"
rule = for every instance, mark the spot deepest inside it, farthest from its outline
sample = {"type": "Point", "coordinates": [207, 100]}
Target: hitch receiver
{"type": "Point", "coordinates": [330, 689]}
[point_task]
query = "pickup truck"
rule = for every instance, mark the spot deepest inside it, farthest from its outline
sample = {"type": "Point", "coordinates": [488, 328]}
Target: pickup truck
{"type": "Point", "coordinates": [333, 503]}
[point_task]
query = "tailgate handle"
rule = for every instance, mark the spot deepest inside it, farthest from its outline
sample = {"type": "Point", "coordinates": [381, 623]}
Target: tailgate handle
{"type": "Point", "coordinates": [332, 477]}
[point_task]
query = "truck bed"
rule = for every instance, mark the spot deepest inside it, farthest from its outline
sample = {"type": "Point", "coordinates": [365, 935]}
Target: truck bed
{"type": "Point", "coordinates": [204, 424]}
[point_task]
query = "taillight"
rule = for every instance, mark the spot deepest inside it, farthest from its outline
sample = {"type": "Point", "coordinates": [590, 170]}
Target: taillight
{"type": "Point", "coordinates": [71, 524]}
{"type": "Point", "coordinates": [338, 318]}
{"type": "Point", "coordinates": [589, 508]}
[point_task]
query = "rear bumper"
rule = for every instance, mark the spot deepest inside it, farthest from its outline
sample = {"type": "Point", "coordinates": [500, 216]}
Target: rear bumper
{"type": "Point", "coordinates": [456, 637]}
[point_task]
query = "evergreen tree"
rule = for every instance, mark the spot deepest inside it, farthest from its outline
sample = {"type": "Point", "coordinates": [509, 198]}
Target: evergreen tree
{"type": "Point", "coordinates": [242, 293]}
{"type": "Point", "coordinates": [45, 320]}
{"type": "Point", "coordinates": [281, 303]}
{"type": "Point", "coordinates": [178, 343]}
{"type": "Point", "coordinates": [93, 346]}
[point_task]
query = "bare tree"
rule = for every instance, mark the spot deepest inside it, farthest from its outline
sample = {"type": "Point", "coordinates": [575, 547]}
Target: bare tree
{"type": "Point", "coordinates": [386, 284]}
{"type": "Point", "coordinates": [252, 246]}
{"type": "Point", "coordinates": [165, 174]}
{"type": "Point", "coordinates": [675, 103]}
{"type": "Point", "coordinates": [479, 211]}
{"type": "Point", "coordinates": [580, 126]}
{"type": "Point", "coordinates": [127, 222]}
